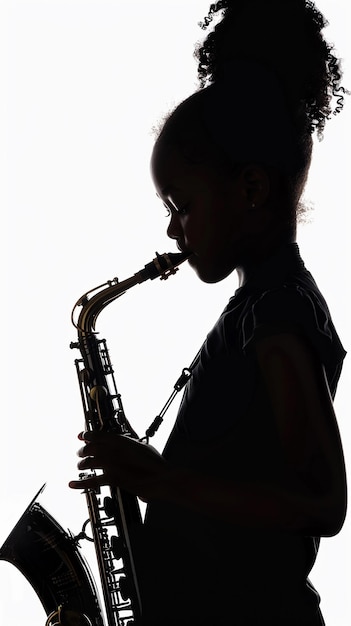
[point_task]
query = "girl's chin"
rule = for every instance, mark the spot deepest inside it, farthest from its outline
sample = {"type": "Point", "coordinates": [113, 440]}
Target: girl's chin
{"type": "Point", "coordinates": [209, 272]}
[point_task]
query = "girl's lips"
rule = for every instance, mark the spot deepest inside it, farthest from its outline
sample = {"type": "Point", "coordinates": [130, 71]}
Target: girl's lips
{"type": "Point", "coordinates": [183, 249]}
{"type": "Point", "coordinates": [189, 255]}
{"type": "Point", "coordinates": [180, 247]}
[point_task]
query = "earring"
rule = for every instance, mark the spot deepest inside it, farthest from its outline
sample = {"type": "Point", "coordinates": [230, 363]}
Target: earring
{"type": "Point", "coordinates": [253, 205]}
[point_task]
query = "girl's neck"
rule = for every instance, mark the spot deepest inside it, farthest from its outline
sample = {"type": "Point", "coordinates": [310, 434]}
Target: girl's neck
{"type": "Point", "coordinates": [261, 254]}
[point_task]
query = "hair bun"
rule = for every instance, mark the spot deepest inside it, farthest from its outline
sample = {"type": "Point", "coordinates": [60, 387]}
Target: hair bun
{"type": "Point", "coordinates": [284, 36]}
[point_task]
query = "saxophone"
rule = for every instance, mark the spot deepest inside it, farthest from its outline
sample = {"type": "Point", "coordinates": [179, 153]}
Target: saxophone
{"type": "Point", "coordinates": [47, 555]}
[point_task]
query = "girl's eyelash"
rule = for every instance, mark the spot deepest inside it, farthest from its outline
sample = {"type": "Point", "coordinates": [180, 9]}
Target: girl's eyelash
{"type": "Point", "coordinates": [168, 210]}
{"type": "Point", "coordinates": [182, 211]}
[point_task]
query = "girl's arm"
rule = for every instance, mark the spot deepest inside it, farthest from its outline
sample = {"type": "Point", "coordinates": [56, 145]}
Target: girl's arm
{"type": "Point", "coordinates": [314, 498]}
{"type": "Point", "coordinates": [297, 386]}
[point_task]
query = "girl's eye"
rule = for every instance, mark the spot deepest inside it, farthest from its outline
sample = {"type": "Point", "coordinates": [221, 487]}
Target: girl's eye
{"type": "Point", "coordinates": [183, 210]}
{"type": "Point", "coordinates": [174, 209]}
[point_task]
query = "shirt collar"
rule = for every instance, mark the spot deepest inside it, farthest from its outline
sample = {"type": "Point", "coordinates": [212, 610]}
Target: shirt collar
{"type": "Point", "coordinates": [275, 270]}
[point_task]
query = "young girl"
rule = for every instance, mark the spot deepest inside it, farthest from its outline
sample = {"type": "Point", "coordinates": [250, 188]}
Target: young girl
{"type": "Point", "coordinates": [253, 472]}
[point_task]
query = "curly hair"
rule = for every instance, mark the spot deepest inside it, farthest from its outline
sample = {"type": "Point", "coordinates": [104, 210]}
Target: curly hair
{"type": "Point", "coordinates": [286, 36]}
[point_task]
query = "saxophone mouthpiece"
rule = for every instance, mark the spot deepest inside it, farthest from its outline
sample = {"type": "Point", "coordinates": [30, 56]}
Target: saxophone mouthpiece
{"type": "Point", "coordinates": [175, 258]}
{"type": "Point", "coordinates": [164, 265]}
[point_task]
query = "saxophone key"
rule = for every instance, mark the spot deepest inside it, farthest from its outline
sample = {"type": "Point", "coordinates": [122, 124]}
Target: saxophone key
{"type": "Point", "coordinates": [117, 547]}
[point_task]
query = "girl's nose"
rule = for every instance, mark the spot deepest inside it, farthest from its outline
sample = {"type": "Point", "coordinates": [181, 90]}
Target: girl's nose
{"type": "Point", "coordinates": [174, 228]}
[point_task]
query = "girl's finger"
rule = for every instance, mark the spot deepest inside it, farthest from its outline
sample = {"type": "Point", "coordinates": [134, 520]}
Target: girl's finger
{"type": "Point", "coordinates": [86, 435]}
{"type": "Point", "coordinates": [88, 463]}
{"type": "Point", "coordinates": [83, 451]}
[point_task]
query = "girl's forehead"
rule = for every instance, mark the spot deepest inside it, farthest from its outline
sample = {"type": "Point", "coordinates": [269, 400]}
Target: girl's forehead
{"type": "Point", "coordinates": [167, 164]}
{"type": "Point", "coordinates": [164, 151]}
{"type": "Point", "coordinates": [171, 168]}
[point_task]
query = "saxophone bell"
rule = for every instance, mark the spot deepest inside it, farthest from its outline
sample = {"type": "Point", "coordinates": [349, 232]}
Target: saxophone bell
{"type": "Point", "coordinates": [50, 559]}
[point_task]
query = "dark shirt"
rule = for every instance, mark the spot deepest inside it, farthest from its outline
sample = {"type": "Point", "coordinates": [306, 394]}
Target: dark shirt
{"type": "Point", "coordinates": [209, 571]}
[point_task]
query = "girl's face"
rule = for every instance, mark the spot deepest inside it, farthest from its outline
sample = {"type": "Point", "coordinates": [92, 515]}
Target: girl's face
{"type": "Point", "coordinates": [209, 211]}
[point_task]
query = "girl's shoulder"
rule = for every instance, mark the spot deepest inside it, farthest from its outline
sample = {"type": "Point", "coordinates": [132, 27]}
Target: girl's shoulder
{"type": "Point", "coordinates": [295, 306]}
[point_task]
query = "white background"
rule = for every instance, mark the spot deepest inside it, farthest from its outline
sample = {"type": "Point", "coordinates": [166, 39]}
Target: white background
{"type": "Point", "coordinates": [82, 84]}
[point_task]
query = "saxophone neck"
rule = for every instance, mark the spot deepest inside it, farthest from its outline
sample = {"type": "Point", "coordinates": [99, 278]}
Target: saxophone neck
{"type": "Point", "coordinates": [95, 300]}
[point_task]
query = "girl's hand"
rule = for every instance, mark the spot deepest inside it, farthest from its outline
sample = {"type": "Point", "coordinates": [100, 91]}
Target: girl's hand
{"type": "Point", "coordinates": [134, 466]}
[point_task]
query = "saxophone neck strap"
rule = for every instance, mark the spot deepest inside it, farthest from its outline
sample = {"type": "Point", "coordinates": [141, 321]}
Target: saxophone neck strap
{"type": "Point", "coordinates": [178, 386]}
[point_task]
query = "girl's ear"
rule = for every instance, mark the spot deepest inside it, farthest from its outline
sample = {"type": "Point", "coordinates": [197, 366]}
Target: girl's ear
{"type": "Point", "coordinates": [256, 185]}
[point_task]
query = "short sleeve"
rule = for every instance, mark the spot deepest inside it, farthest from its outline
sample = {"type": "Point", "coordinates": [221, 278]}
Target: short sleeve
{"type": "Point", "coordinates": [295, 309]}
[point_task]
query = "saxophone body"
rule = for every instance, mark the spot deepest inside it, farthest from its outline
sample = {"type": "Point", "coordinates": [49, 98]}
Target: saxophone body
{"type": "Point", "coordinates": [38, 546]}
